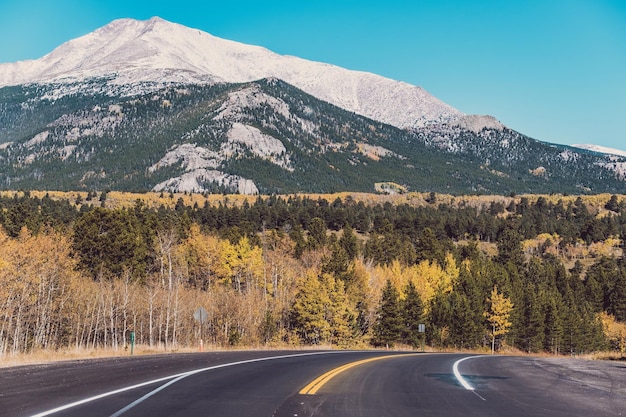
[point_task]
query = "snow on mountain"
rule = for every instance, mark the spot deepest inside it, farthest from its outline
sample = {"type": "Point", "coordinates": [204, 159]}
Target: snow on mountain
{"type": "Point", "coordinates": [601, 149]}
{"type": "Point", "coordinates": [614, 163]}
{"type": "Point", "coordinates": [132, 51]}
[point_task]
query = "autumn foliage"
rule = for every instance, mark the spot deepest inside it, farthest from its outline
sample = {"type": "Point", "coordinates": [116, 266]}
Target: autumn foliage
{"type": "Point", "coordinates": [528, 273]}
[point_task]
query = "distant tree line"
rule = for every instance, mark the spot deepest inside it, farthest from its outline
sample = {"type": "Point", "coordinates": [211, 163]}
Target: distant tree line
{"type": "Point", "coordinates": [297, 270]}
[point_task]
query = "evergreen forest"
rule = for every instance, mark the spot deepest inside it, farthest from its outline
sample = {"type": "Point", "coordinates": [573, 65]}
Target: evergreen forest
{"type": "Point", "coordinates": [527, 273]}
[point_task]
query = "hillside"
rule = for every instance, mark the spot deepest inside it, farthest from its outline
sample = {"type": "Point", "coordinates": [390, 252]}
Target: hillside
{"type": "Point", "coordinates": [264, 137]}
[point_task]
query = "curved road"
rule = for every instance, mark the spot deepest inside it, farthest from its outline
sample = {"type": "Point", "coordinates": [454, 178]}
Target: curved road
{"type": "Point", "coordinates": [292, 384]}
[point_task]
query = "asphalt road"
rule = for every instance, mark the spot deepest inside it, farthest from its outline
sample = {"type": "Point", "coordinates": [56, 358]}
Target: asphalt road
{"type": "Point", "coordinates": [259, 383]}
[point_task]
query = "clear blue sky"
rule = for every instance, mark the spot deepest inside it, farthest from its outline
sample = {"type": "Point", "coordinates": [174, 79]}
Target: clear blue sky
{"type": "Point", "coordinates": [554, 70]}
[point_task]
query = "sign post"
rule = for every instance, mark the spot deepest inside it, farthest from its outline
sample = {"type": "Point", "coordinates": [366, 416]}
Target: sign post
{"type": "Point", "coordinates": [132, 342]}
{"type": "Point", "coordinates": [201, 316]}
{"type": "Point", "coordinates": [421, 328]}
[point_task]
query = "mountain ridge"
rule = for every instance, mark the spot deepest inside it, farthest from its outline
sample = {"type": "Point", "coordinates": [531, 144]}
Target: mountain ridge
{"type": "Point", "coordinates": [135, 51]}
{"type": "Point", "coordinates": [267, 137]}
{"type": "Point", "coordinates": [152, 105]}
{"type": "Point", "coordinates": [600, 149]}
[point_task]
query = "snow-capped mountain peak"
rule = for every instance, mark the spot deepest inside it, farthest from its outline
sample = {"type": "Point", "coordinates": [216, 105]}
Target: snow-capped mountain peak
{"type": "Point", "coordinates": [132, 51]}
{"type": "Point", "coordinates": [601, 149]}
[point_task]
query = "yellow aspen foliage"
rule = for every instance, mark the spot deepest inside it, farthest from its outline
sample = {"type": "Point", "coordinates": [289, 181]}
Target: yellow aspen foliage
{"type": "Point", "coordinates": [614, 331]}
{"type": "Point", "coordinates": [308, 311]}
{"type": "Point", "coordinates": [34, 294]}
{"type": "Point", "coordinates": [358, 287]}
{"type": "Point", "coordinates": [397, 274]}
{"type": "Point", "coordinates": [225, 259]}
{"type": "Point", "coordinates": [338, 313]}
{"type": "Point", "coordinates": [427, 276]}
{"type": "Point", "coordinates": [452, 272]}
{"type": "Point", "coordinates": [430, 278]}
{"type": "Point", "coordinates": [4, 241]}
{"type": "Point", "coordinates": [604, 248]}
{"type": "Point", "coordinates": [498, 315]}
{"type": "Point", "coordinates": [201, 254]}
{"type": "Point", "coordinates": [281, 270]}
{"type": "Point", "coordinates": [243, 263]}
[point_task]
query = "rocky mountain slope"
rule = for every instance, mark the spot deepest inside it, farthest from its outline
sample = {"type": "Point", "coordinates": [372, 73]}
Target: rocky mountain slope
{"type": "Point", "coordinates": [264, 136]}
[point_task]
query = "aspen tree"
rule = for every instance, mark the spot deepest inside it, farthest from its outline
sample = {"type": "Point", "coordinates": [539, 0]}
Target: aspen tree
{"type": "Point", "coordinates": [498, 315]}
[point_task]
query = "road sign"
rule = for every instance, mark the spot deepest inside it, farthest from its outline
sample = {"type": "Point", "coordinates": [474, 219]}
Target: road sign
{"type": "Point", "coordinates": [421, 328]}
{"type": "Point", "coordinates": [201, 315]}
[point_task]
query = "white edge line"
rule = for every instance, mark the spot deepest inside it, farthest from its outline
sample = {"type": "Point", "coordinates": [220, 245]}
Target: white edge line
{"type": "Point", "coordinates": [148, 395]}
{"type": "Point", "coordinates": [177, 376]}
{"type": "Point", "coordinates": [103, 395]}
{"type": "Point", "coordinates": [459, 377]}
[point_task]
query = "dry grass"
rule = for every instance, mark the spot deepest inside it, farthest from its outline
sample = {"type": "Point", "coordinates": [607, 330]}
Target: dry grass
{"type": "Point", "coordinates": [610, 356]}
{"type": "Point", "coordinates": [68, 354]}
{"type": "Point", "coordinates": [49, 356]}
{"type": "Point", "coordinates": [122, 199]}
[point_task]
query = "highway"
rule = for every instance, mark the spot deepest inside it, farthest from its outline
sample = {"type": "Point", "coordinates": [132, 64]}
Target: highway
{"type": "Point", "coordinates": [316, 383]}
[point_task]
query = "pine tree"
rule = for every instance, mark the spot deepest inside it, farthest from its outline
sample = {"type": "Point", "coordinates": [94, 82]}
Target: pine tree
{"type": "Point", "coordinates": [268, 328]}
{"type": "Point", "coordinates": [440, 319]}
{"type": "Point", "coordinates": [553, 327]}
{"type": "Point", "coordinates": [428, 247]}
{"type": "Point", "coordinates": [412, 314]}
{"type": "Point", "coordinates": [571, 329]}
{"type": "Point", "coordinates": [349, 242]}
{"type": "Point", "coordinates": [388, 326]}
{"type": "Point", "coordinates": [298, 237]}
{"type": "Point", "coordinates": [533, 322]}
{"type": "Point", "coordinates": [468, 305]}
{"type": "Point", "coordinates": [612, 204]}
{"type": "Point", "coordinates": [463, 329]}
{"type": "Point", "coordinates": [317, 233]}
{"type": "Point", "coordinates": [510, 247]}
{"type": "Point", "coordinates": [109, 242]}
{"type": "Point", "coordinates": [617, 298]}
{"type": "Point", "coordinates": [337, 263]}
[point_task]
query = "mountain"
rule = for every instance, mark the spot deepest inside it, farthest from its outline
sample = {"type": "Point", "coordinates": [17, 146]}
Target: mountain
{"type": "Point", "coordinates": [153, 105]}
{"type": "Point", "coordinates": [131, 52]}
{"type": "Point", "coordinates": [601, 149]}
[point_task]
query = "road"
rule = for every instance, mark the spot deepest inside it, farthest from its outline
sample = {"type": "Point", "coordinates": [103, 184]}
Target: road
{"type": "Point", "coordinates": [281, 384]}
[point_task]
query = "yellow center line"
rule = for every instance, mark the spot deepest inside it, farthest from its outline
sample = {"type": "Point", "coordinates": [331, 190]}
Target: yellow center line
{"type": "Point", "coordinates": [317, 383]}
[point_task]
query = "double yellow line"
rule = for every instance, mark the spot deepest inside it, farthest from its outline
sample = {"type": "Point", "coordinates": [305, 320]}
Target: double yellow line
{"type": "Point", "coordinates": [317, 383]}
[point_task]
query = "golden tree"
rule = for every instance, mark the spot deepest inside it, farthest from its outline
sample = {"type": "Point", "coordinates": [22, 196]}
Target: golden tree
{"type": "Point", "coordinates": [498, 315]}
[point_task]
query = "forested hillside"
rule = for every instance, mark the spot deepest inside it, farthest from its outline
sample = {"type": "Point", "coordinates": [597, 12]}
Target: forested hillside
{"type": "Point", "coordinates": [265, 137]}
{"type": "Point", "coordinates": [534, 273]}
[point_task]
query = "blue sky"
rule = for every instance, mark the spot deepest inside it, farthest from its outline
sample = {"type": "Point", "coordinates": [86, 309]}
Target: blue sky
{"type": "Point", "coordinates": [552, 69]}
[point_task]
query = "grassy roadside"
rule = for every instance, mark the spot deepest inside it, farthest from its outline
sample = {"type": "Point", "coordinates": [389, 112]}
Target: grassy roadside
{"type": "Point", "coordinates": [50, 356]}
